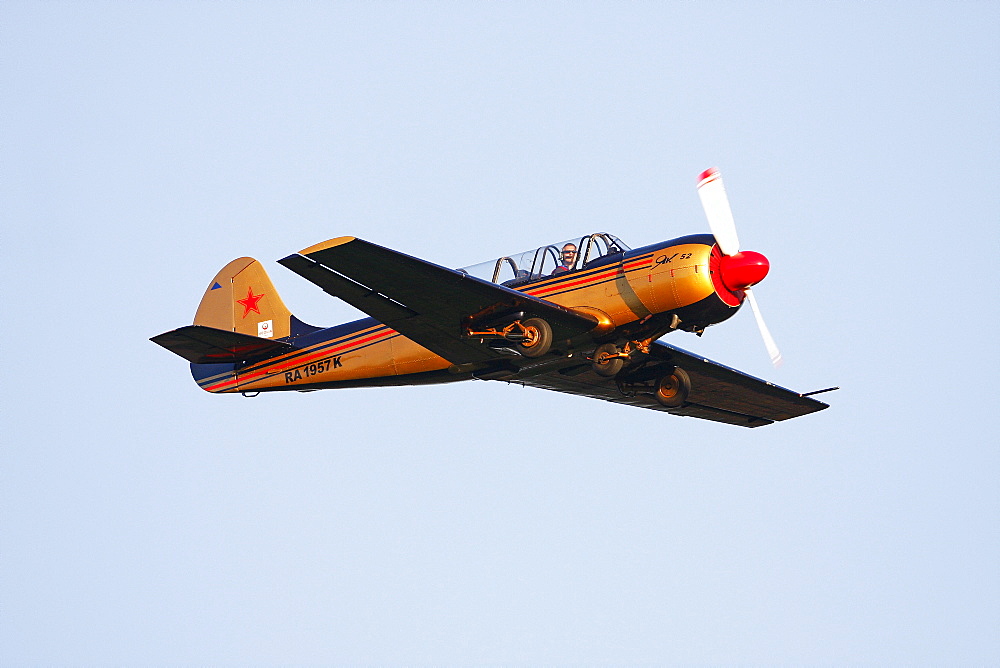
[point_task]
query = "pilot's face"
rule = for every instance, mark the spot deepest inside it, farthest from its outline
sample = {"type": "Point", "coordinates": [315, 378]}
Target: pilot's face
{"type": "Point", "coordinates": [568, 254]}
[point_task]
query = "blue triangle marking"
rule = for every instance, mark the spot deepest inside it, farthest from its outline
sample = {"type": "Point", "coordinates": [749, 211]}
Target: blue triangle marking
{"type": "Point", "coordinates": [216, 286]}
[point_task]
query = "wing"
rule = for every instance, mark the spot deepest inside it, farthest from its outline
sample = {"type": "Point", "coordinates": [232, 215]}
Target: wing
{"type": "Point", "coordinates": [424, 302]}
{"type": "Point", "coordinates": [718, 392]}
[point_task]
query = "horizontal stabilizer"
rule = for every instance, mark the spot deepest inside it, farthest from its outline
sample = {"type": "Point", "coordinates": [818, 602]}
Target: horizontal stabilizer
{"type": "Point", "coordinates": [207, 345]}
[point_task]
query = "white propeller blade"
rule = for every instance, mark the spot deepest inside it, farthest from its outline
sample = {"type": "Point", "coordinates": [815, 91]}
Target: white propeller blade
{"type": "Point", "coordinates": [772, 347]}
{"type": "Point", "coordinates": [720, 216]}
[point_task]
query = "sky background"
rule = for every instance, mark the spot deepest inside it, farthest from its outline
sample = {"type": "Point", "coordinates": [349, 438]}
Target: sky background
{"type": "Point", "coordinates": [145, 145]}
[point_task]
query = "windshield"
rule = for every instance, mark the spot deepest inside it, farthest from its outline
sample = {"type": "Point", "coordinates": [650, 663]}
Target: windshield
{"type": "Point", "coordinates": [549, 260]}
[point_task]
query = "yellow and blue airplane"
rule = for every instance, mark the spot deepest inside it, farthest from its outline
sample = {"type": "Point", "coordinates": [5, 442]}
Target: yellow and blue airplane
{"type": "Point", "coordinates": [581, 316]}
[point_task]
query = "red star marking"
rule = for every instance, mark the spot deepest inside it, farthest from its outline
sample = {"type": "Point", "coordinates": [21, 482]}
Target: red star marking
{"type": "Point", "coordinates": [250, 303]}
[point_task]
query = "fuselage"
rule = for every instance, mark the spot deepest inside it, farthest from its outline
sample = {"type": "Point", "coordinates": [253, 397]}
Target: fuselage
{"type": "Point", "coordinates": [631, 294]}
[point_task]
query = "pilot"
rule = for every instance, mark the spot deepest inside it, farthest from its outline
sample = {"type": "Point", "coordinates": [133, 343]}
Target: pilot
{"type": "Point", "coordinates": [568, 259]}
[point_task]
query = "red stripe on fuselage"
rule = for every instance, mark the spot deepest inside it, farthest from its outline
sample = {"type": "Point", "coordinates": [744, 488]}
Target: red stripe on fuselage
{"type": "Point", "coordinates": [584, 281]}
{"type": "Point", "coordinates": [298, 361]}
{"type": "Point", "coordinates": [321, 348]}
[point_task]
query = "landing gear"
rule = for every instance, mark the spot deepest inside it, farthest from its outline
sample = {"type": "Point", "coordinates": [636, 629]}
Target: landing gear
{"type": "Point", "coordinates": [531, 337]}
{"type": "Point", "coordinates": [607, 361]}
{"type": "Point", "coordinates": [672, 389]}
{"type": "Point", "coordinates": [669, 388]}
{"type": "Point", "coordinates": [537, 337]}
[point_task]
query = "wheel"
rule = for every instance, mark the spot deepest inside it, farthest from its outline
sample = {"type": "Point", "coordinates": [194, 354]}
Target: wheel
{"type": "Point", "coordinates": [538, 338]}
{"type": "Point", "coordinates": [672, 389]}
{"type": "Point", "coordinates": [605, 363]}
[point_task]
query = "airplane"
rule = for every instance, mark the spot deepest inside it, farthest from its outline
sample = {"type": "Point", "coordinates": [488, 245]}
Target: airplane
{"type": "Point", "coordinates": [583, 316]}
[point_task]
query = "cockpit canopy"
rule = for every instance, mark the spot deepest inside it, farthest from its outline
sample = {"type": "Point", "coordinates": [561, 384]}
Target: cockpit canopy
{"type": "Point", "coordinates": [549, 260]}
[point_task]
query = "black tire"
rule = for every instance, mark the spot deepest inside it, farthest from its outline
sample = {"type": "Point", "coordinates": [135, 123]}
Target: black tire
{"type": "Point", "coordinates": [539, 338]}
{"type": "Point", "coordinates": [607, 367]}
{"type": "Point", "coordinates": [673, 388]}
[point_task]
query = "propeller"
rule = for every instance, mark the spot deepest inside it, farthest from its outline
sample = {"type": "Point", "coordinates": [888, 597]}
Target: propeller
{"type": "Point", "coordinates": [739, 269]}
{"type": "Point", "coordinates": [772, 347]}
{"type": "Point", "coordinates": [720, 216]}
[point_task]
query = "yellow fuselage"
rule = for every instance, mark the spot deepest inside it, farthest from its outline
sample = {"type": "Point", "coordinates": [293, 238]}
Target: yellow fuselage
{"type": "Point", "coordinates": [645, 286]}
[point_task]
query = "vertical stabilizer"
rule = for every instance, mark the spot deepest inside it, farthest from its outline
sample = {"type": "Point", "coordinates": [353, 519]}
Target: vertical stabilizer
{"type": "Point", "coordinates": [241, 298]}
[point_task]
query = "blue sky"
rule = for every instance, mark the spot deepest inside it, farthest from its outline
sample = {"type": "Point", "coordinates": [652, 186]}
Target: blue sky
{"type": "Point", "coordinates": [146, 145]}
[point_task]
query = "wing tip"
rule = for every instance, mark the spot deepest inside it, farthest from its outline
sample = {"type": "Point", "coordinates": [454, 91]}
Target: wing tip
{"type": "Point", "coordinates": [338, 241]}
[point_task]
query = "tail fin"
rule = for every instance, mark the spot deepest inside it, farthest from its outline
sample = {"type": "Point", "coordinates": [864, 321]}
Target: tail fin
{"type": "Point", "coordinates": [242, 299]}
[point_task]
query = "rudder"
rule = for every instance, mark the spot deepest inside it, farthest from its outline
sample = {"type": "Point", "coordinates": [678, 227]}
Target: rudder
{"type": "Point", "coordinates": [241, 298]}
